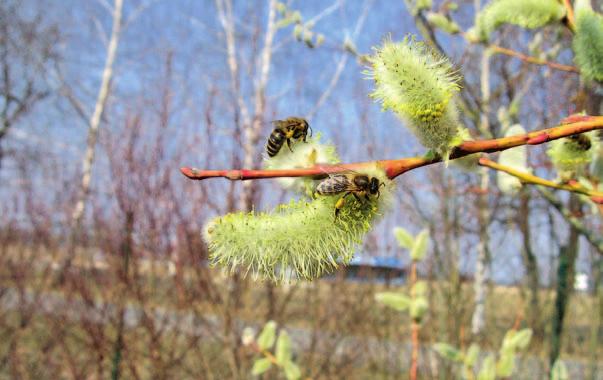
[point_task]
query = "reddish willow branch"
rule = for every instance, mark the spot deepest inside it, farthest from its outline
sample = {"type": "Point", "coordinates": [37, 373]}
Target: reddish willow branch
{"type": "Point", "coordinates": [533, 60]}
{"type": "Point", "coordinates": [595, 196]}
{"type": "Point", "coordinates": [393, 168]}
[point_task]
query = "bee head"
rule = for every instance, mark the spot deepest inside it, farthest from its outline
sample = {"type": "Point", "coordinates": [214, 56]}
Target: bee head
{"type": "Point", "coordinates": [374, 186]}
{"type": "Point", "coordinates": [306, 127]}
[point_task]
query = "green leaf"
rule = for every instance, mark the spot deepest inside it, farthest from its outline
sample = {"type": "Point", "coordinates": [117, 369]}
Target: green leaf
{"type": "Point", "coordinates": [260, 366]}
{"type": "Point", "coordinates": [559, 371]}
{"type": "Point", "coordinates": [297, 31]}
{"type": "Point", "coordinates": [405, 239]}
{"type": "Point", "coordinates": [267, 336]}
{"type": "Point", "coordinates": [471, 355]}
{"type": "Point", "coordinates": [419, 289]}
{"type": "Point", "coordinates": [516, 340]}
{"type": "Point", "coordinates": [419, 247]}
{"type": "Point", "coordinates": [283, 348]}
{"type": "Point", "coordinates": [418, 308]}
{"type": "Point", "coordinates": [281, 7]}
{"type": "Point", "coordinates": [422, 5]}
{"type": "Point", "coordinates": [488, 370]}
{"type": "Point", "coordinates": [506, 345]}
{"type": "Point", "coordinates": [396, 301]}
{"type": "Point", "coordinates": [521, 339]}
{"type": "Point", "coordinates": [292, 371]}
{"type": "Point", "coordinates": [506, 364]}
{"type": "Point", "coordinates": [442, 22]}
{"type": "Point", "coordinates": [448, 352]}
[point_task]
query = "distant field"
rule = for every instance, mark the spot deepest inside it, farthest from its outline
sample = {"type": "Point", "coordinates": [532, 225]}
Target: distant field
{"type": "Point", "coordinates": [333, 309]}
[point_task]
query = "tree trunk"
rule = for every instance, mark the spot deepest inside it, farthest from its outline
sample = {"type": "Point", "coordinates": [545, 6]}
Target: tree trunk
{"type": "Point", "coordinates": [531, 264]}
{"type": "Point", "coordinates": [95, 119]}
{"type": "Point", "coordinates": [482, 266]}
{"type": "Point", "coordinates": [597, 322]}
{"type": "Point", "coordinates": [565, 281]}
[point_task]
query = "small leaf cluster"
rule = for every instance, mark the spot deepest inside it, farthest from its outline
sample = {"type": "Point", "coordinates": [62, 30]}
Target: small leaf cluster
{"type": "Point", "coordinates": [301, 31]}
{"type": "Point", "coordinates": [559, 371]}
{"type": "Point", "coordinates": [416, 245]}
{"type": "Point", "coordinates": [281, 357]}
{"type": "Point", "coordinates": [443, 22]}
{"type": "Point", "coordinates": [416, 303]}
{"type": "Point", "coordinates": [491, 368]}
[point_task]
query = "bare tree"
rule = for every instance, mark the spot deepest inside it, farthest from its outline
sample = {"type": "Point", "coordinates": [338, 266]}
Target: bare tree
{"type": "Point", "coordinates": [27, 48]}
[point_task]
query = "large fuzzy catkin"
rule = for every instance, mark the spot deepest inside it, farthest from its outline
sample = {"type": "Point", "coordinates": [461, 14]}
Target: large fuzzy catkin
{"type": "Point", "coordinates": [570, 156]}
{"type": "Point", "coordinates": [304, 155]}
{"type": "Point", "coordinates": [418, 84]}
{"type": "Point", "coordinates": [529, 14]}
{"type": "Point", "coordinates": [588, 41]}
{"type": "Point", "coordinates": [302, 239]}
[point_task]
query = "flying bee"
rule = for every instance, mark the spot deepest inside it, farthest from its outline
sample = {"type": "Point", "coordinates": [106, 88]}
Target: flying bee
{"type": "Point", "coordinates": [359, 185]}
{"type": "Point", "coordinates": [582, 141]}
{"type": "Point", "coordinates": [285, 130]}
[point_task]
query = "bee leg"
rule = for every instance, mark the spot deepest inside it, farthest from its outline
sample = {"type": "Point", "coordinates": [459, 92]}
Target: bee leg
{"type": "Point", "coordinates": [357, 197]}
{"type": "Point", "coordinates": [289, 145]}
{"type": "Point", "coordinates": [340, 203]}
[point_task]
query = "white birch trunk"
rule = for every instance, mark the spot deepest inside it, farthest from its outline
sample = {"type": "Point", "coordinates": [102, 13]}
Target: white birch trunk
{"type": "Point", "coordinates": [482, 266]}
{"type": "Point", "coordinates": [95, 119]}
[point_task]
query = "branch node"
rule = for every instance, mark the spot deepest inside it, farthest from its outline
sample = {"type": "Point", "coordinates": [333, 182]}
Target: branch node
{"type": "Point", "coordinates": [539, 139]}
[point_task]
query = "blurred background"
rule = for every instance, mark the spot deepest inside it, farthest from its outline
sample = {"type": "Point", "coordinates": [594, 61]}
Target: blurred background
{"type": "Point", "coordinates": [103, 269]}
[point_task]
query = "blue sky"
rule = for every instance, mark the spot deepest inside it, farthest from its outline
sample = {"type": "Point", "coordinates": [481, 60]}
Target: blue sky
{"type": "Point", "coordinates": [191, 33]}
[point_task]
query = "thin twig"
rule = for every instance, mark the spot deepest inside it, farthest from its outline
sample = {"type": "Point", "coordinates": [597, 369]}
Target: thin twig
{"type": "Point", "coordinates": [595, 196]}
{"type": "Point", "coordinates": [394, 168]}
{"type": "Point", "coordinates": [533, 60]}
{"type": "Point", "coordinates": [594, 239]}
{"type": "Point", "coordinates": [341, 64]}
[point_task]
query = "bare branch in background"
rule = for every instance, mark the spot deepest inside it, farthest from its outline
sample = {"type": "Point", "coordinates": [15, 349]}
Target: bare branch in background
{"type": "Point", "coordinates": [342, 62]}
{"type": "Point", "coordinates": [27, 47]}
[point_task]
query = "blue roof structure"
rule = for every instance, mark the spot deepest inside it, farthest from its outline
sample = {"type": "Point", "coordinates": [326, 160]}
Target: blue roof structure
{"type": "Point", "coordinates": [378, 261]}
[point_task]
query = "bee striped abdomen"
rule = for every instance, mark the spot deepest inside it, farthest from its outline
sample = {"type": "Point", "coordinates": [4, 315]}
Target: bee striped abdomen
{"type": "Point", "coordinates": [275, 142]}
{"type": "Point", "coordinates": [335, 184]}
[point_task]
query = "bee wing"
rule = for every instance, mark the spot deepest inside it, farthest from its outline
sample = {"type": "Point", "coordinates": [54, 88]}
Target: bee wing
{"type": "Point", "coordinates": [288, 122]}
{"type": "Point", "coordinates": [336, 183]}
{"type": "Point", "coordinates": [341, 171]}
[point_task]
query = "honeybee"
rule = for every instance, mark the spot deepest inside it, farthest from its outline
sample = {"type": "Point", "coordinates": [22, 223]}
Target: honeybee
{"type": "Point", "coordinates": [582, 141]}
{"type": "Point", "coordinates": [359, 185]}
{"type": "Point", "coordinates": [285, 130]}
